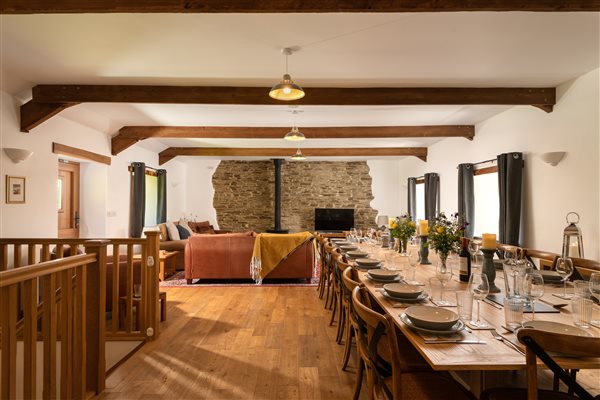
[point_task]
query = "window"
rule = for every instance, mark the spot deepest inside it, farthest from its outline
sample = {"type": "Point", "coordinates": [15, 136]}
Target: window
{"type": "Point", "coordinates": [420, 194]}
{"type": "Point", "coordinates": [151, 200]}
{"type": "Point", "coordinates": [487, 201]}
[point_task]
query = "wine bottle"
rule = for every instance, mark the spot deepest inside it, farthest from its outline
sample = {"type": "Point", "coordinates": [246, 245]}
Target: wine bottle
{"type": "Point", "coordinates": [465, 261]}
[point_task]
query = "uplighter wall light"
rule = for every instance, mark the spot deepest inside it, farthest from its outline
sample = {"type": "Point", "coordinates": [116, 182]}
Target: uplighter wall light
{"type": "Point", "coordinates": [286, 90]}
{"type": "Point", "coordinates": [17, 155]}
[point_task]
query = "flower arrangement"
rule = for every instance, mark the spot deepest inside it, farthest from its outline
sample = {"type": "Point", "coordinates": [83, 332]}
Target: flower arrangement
{"type": "Point", "coordinates": [445, 234]}
{"type": "Point", "coordinates": [403, 227]}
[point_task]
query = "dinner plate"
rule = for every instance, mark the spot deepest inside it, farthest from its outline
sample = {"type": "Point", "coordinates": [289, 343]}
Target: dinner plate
{"type": "Point", "coordinates": [459, 326]}
{"type": "Point", "coordinates": [403, 290]}
{"type": "Point", "coordinates": [347, 248]}
{"type": "Point", "coordinates": [421, 297]}
{"type": "Point", "coordinates": [367, 267]}
{"type": "Point", "coordinates": [557, 327]}
{"type": "Point", "coordinates": [428, 317]}
{"type": "Point", "coordinates": [342, 243]}
{"type": "Point", "coordinates": [383, 274]}
{"type": "Point", "coordinates": [396, 279]}
{"type": "Point", "coordinates": [367, 261]}
{"type": "Point", "coordinates": [357, 254]}
{"type": "Point", "coordinates": [339, 240]}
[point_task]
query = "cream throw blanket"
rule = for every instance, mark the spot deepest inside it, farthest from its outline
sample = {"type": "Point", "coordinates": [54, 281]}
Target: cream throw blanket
{"type": "Point", "coordinates": [272, 248]}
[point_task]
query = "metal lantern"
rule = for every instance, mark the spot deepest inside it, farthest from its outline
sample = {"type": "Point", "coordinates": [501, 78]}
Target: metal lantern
{"type": "Point", "coordinates": [572, 240]}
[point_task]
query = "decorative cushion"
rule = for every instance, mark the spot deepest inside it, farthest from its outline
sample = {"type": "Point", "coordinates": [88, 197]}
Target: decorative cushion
{"type": "Point", "coordinates": [184, 223]}
{"type": "Point", "coordinates": [183, 233]}
{"type": "Point", "coordinates": [164, 234]}
{"type": "Point", "coordinates": [172, 229]}
{"type": "Point", "coordinates": [200, 227]}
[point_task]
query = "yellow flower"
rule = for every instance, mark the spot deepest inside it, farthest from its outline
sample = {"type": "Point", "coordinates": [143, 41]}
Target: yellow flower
{"type": "Point", "coordinates": [394, 225]}
{"type": "Point", "coordinates": [412, 223]}
{"type": "Point", "coordinates": [440, 229]}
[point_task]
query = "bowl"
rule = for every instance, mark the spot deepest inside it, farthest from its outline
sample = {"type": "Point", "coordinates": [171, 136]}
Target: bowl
{"type": "Point", "coordinates": [434, 318]}
{"type": "Point", "coordinates": [403, 290]}
{"type": "Point", "coordinates": [367, 261]}
{"type": "Point", "coordinates": [383, 274]}
{"type": "Point", "coordinates": [348, 248]}
{"type": "Point", "coordinates": [342, 243]}
{"type": "Point", "coordinates": [357, 254]}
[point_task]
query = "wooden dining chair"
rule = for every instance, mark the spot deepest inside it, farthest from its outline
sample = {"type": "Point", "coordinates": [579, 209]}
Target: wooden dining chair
{"type": "Point", "coordinates": [321, 251]}
{"type": "Point", "coordinates": [390, 373]}
{"type": "Point", "coordinates": [538, 344]}
{"type": "Point", "coordinates": [545, 259]}
{"type": "Point", "coordinates": [336, 290]}
{"type": "Point", "coordinates": [326, 265]}
{"type": "Point", "coordinates": [584, 268]}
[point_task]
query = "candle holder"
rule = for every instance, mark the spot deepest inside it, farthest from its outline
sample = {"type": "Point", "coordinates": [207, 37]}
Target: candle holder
{"type": "Point", "coordinates": [424, 250]}
{"type": "Point", "coordinates": [489, 270]}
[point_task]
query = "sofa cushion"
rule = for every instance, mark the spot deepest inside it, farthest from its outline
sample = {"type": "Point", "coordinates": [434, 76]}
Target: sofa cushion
{"type": "Point", "coordinates": [173, 245]}
{"type": "Point", "coordinates": [199, 227]}
{"type": "Point", "coordinates": [184, 223]}
{"type": "Point", "coordinates": [164, 234]}
{"type": "Point", "coordinates": [183, 233]}
{"type": "Point", "coordinates": [173, 231]}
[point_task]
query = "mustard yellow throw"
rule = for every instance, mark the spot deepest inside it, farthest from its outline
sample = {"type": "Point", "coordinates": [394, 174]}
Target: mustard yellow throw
{"type": "Point", "coordinates": [271, 248]}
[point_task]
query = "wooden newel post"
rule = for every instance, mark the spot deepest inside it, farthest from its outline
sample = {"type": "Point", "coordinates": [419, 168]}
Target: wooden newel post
{"type": "Point", "coordinates": [95, 324]}
{"type": "Point", "coordinates": [152, 268]}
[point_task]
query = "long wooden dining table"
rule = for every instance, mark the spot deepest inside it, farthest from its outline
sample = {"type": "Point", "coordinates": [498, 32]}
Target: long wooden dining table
{"type": "Point", "coordinates": [493, 355]}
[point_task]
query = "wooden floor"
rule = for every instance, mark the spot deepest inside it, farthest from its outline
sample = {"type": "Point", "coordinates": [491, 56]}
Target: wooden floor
{"type": "Point", "coordinates": [238, 343]}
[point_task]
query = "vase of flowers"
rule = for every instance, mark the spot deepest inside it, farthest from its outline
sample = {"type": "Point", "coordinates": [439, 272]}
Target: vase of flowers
{"type": "Point", "coordinates": [402, 228]}
{"type": "Point", "coordinates": [445, 235]}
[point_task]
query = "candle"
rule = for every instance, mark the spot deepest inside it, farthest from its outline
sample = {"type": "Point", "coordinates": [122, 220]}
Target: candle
{"type": "Point", "coordinates": [423, 227]}
{"type": "Point", "coordinates": [488, 241]}
{"type": "Point", "coordinates": [574, 250]}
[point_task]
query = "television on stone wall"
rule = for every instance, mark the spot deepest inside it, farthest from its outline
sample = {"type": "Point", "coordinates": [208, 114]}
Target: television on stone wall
{"type": "Point", "coordinates": [334, 219]}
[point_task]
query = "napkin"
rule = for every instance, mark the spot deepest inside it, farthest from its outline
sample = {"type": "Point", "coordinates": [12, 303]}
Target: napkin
{"type": "Point", "coordinates": [462, 337]}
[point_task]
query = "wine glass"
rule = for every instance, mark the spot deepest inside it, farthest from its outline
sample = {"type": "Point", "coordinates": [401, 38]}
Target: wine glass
{"type": "Point", "coordinates": [414, 257]}
{"type": "Point", "coordinates": [479, 287]}
{"type": "Point", "coordinates": [595, 290]}
{"type": "Point", "coordinates": [533, 288]}
{"type": "Point", "coordinates": [444, 273]}
{"type": "Point", "coordinates": [564, 267]}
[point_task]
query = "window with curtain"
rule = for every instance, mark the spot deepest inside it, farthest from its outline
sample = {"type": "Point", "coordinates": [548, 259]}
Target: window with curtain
{"type": "Point", "coordinates": [420, 186]}
{"type": "Point", "coordinates": [150, 216]}
{"type": "Point", "coordinates": [487, 201]}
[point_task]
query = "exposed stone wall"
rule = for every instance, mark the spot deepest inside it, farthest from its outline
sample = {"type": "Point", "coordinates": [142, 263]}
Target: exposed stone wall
{"type": "Point", "coordinates": [244, 192]}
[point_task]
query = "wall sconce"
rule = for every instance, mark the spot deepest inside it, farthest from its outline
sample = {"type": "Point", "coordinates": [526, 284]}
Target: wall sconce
{"type": "Point", "coordinates": [17, 155]}
{"type": "Point", "coordinates": [552, 157]}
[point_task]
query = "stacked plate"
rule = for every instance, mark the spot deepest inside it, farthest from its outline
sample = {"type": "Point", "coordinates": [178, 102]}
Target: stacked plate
{"type": "Point", "coordinates": [348, 247]}
{"type": "Point", "coordinates": [337, 240]}
{"type": "Point", "coordinates": [430, 319]}
{"type": "Point", "coordinates": [342, 243]}
{"type": "Point", "coordinates": [383, 275]}
{"type": "Point", "coordinates": [354, 254]}
{"type": "Point", "coordinates": [403, 292]}
{"type": "Point", "coordinates": [368, 263]}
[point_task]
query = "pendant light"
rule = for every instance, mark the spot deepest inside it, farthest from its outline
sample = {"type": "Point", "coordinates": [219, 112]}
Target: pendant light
{"type": "Point", "coordinates": [286, 90]}
{"type": "Point", "coordinates": [294, 135]}
{"type": "Point", "coordinates": [298, 156]}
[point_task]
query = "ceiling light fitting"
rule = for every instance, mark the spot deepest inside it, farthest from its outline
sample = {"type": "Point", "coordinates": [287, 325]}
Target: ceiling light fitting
{"type": "Point", "coordinates": [294, 135]}
{"type": "Point", "coordinates": [286, 90]}
{"type": "Point", "coordinates": [298, 156]}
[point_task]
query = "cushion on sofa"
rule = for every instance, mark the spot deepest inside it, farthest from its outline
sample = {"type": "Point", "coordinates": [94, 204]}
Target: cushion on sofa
{"type": "Point", "coordinates": [164, 234]}
{"type": "Point", "coordinates": [184, 223]}
{"type": "Point", "coordinates": [183, 233]}
{"type": "Point", "coordinates": [173, 231]}
{"type": "Point", "coordinates": [199, 227]}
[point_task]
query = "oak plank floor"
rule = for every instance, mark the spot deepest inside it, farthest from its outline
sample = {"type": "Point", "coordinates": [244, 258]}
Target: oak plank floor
{"type": "Point", "coordinates": [238, 343]}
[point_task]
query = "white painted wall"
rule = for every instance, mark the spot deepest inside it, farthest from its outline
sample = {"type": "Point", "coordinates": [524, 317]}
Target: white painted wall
{"type": "Point", "coordinates": [200, 190]}
{"type": "Point", "coordinates": [549, 192]}
{"type": "Point", "coordinates": [105, 189]}
{"type": "Point", "coordinates": [387, 187]}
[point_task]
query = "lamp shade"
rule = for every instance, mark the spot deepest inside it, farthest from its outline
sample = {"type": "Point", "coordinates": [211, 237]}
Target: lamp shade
{"type": "Point", "coordinates": [382, 220]}
{"type": "Point", "coordinates": [17, 155]}
{"type": "Point", "coordinates": [294, 135]}
{"type": "Point", "coordinates": [286, 90]}
{"type": "Point", "coordinates": [298, 156]}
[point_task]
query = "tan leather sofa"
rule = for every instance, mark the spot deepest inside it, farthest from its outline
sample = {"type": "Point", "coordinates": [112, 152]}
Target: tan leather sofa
{"type": "Point", "coordinates": [227, 256]}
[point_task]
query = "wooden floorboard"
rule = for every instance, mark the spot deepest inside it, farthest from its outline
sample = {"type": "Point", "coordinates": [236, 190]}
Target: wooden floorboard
{"type": "Point", "coordinates": [238, 343]}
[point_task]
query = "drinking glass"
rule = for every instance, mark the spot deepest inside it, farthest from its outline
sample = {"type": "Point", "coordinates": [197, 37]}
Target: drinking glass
{"type": "Point", "coordinates": [477, 261]}
{"type": "Point", "coordinates": [564, 267]}
{"type": "Point", "coordinates": [595, 290]}
{"type": "Point", "coordinates": [389, 260]}
{"type": "Point", "coordinates": [533, 287]}
{"type": "Point", "coordinates": [414, 257]}
{"type": "Point", "coordinates": [479, 287]}
{"type": "Point", "coordinates": [444, 273]}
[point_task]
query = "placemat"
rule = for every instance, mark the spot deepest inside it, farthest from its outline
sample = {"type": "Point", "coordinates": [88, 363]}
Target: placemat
{"type": "Point", "coordinates": [539, 306]}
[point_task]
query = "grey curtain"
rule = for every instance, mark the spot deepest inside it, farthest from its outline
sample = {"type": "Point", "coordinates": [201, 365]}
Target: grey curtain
{"type": "Point", "coordinates": [510, 177]}
{"type": "Point", "coordinates": [161, 198]}
{"type": "Point", "coordinates": [432, 198]}
{"type": "Point", "coordinates": [137, 203]}
{"type": "Point", "coordinates": [412, 198]}
{"type": "Point", "coordinates": [466, 198]}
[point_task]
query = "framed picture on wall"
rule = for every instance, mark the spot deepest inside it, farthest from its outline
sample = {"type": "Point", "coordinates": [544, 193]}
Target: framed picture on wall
{"type": "Point", "coordinates": [15, 189]}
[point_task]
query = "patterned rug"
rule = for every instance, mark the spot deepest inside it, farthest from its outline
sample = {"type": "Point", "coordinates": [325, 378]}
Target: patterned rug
{"type": "Point", "coordinates": [178, 280]}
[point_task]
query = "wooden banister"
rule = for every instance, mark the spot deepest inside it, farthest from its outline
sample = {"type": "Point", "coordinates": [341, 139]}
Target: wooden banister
{"type": "Point", "coordinates": [16, 275]}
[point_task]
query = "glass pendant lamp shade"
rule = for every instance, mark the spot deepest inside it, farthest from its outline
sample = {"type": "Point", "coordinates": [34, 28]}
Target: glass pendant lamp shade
{"type": "Point", "coordinates": [298, 156]}
{"type": "Point", "coordinates": [294, 135]}
{"type": "Point", "coordinates": [572, 240]}
{"type": "Point", "coordinates": [286, 90]}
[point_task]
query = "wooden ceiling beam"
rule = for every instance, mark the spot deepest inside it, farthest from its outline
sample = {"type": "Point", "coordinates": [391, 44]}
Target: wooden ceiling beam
{"type": "Point", "coordinates": [54, 98]}
{"type": "Point", "coordinates": [129, 135]}
{"type": "Point", "coordinates": [278, 6]}
{"type": "Point", "coordinates": [172, 152]}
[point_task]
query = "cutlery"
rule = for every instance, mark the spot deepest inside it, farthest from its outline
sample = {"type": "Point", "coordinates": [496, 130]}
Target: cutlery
{"type": "Point", "coordinates": [507, 342]}
{"type": "Point", "coordinates": [555, 305]}
{"type": "Point", "coordinates": [491, 303]}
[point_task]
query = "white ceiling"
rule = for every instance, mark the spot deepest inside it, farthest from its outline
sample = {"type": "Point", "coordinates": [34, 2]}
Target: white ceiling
{"type": "Point", "coordinates": [351, 50]}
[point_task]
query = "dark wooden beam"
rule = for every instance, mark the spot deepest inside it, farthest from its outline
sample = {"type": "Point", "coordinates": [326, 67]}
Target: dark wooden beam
{"type": "Point", "coordinates": [63, 149]}
{"type": "Point", "coordinates": [278, 6]}
{"type": "Point", "coordinates": [50, 99]}
{"type": "Point", "coordinates": [129, 135]}
{"type": "Point", "coordinates": [172, 152]}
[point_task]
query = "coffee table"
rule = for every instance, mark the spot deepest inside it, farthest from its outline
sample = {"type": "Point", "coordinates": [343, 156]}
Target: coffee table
{"type": "Point", "coordinates": [167, 263]}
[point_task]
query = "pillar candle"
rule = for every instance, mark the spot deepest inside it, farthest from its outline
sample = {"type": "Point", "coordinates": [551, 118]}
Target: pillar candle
{"type": "Point", "coordinates": [423, 227]}
{"type": "Point", "coordinates": [488, 241]}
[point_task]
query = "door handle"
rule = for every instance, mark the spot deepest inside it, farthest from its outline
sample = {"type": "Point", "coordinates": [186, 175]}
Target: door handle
{"type": "Point", "coordinates": [76, 219]}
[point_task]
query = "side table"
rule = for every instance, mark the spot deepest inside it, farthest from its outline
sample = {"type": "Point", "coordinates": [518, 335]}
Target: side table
{"type": "Point", "coordinates": [167, 263]}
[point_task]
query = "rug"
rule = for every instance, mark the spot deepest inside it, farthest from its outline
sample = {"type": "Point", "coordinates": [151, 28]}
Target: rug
{"type": "Point", "coordinates": [178, 280]}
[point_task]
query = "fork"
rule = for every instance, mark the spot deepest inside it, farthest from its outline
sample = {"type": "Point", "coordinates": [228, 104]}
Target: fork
{"type": "Point", "coordinates": [507, 342]}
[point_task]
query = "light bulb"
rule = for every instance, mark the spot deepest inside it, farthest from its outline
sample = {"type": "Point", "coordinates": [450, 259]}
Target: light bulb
{"type": "Point", "coordinates": [287, 90]}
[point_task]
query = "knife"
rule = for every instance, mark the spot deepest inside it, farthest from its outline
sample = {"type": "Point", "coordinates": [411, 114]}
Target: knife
{"type": "Point", "coordinates": [458, 341]}
{"type": "Point", "coordinates": [491, 303]}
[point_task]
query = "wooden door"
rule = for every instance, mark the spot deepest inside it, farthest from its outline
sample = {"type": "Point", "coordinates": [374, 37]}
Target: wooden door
{"type": "Point", "coordinates": [68, 199]}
